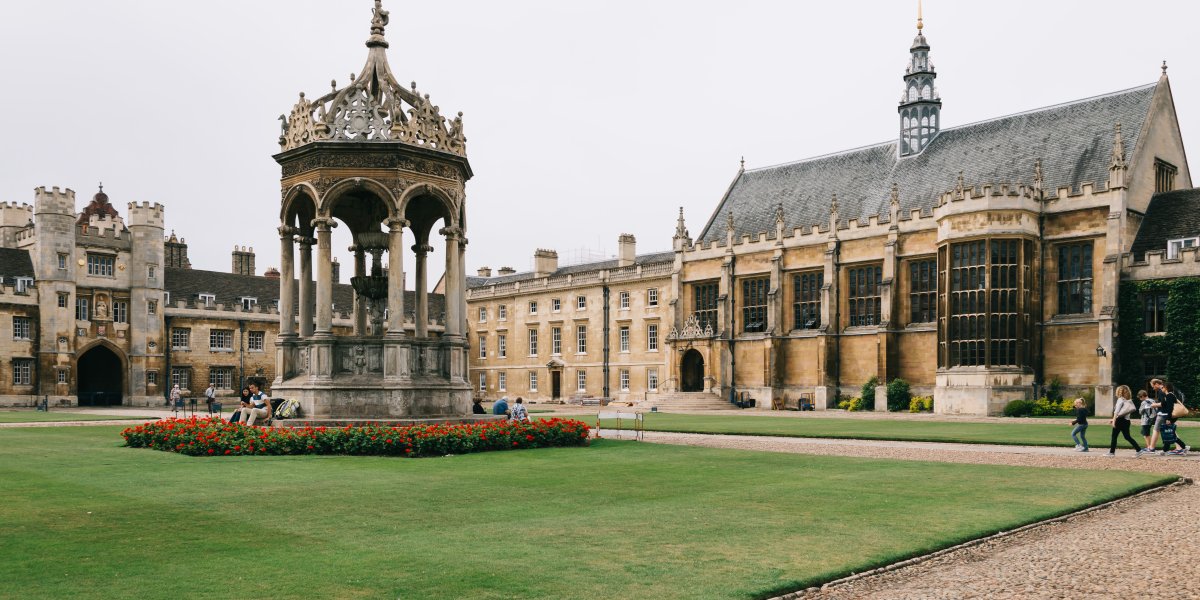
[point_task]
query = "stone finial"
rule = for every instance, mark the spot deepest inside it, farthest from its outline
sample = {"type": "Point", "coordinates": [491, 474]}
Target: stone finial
{"type": "Point", "coordinates": [742, 165]}
{"type": "Point", "coordinates": [960, 188]}
{"type": "Point", "coordinates": [729, 222]}
{"type": "Point", "coordinates": [779, 214]}
{"type": "Point", "coordinates": [1164, 68]}
{"type": "Point", "coordinates": [920, 21]}
{"type": "Point", "coordinates": [1118, 151]}
{"type": "Point", "coordinates": [379, 19]}
{"type": "Point", "coordinates": [681, 231]}
{"type": "Point", "coordinates": [895, 194]}
{"type": "Point", "coordinates": [833, 207]}
{"type": "Point", "coordinates": [1038, 178]}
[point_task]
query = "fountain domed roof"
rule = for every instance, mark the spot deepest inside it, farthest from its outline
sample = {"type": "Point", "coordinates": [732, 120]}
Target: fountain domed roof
{"type": "Point", "coordinates": [373, 107]}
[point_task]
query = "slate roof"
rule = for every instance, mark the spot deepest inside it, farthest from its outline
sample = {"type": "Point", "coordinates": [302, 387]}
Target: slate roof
{"type": "Point", "coordinates": [229, 288]}
{"type": "Point", "coordinates": [1073, 140]}
{"type": "Point", "coordinates": [1170, 216]}
{"type": "Point", "coordinates": [641, 259]}
{"type": "Point", "coordinates": [15, 262]}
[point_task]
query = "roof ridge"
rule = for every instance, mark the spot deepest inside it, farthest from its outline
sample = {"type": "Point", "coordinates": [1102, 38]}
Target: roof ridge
{"type": "Point", "coordinates": [957, 127]}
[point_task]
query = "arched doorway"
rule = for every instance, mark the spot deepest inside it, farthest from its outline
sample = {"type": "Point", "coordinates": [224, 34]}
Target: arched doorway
{"type": "Point", "coordinates": [691, 371]}
{"type": "Point", "coordinates": [99, 374]}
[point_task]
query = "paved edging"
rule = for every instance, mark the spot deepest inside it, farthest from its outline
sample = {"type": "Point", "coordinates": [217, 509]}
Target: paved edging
{"type": "Point", "coordinates": [800, 594]}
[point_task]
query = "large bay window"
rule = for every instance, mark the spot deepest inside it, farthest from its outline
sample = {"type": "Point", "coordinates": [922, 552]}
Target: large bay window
{"type": "Point", "coordinates": [985, 321]}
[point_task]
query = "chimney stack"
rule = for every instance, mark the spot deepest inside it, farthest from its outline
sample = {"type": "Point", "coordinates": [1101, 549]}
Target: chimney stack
{"type": "Point", "coordinates": [507, 271]}
{"type": "Point", "coordinates": [337, 271]}
{"type": "Point", "coordinates": [271, 273]}
{"type": "Point", "coordinates": [243, 260]}
{"type": "Point", "coordinates": [545, 262]}
{"type": "Point", "coordinates": [626, 250]}
{"type": "Point", "coordinates": [485, 271]}
{"type": "Point", "coordinates": [175, 253]}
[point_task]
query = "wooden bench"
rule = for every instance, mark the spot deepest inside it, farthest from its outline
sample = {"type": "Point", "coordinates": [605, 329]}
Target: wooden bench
{"type": "Point", "coordinates": [639, 422]}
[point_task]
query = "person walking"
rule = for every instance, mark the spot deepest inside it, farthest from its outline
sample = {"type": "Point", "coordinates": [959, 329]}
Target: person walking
{"type": "Point", "coordinates": [1148, 412]}
{"type": "Point", "coordinates": [210, 396]}
{"type": "Point", "coordinates": [1164, 404]}
{"type": "Point", "coordinates": [1123, 409]}
{"type": "Point", "coordinates": [176, 394]}
{"type": "Point", "coordinates": [1079, 433]}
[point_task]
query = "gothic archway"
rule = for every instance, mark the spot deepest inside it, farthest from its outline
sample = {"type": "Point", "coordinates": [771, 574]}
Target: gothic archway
{"type": "Point", "coordinates": [691, 371]}
{"type": "Point", "coordinates": [100, 374]}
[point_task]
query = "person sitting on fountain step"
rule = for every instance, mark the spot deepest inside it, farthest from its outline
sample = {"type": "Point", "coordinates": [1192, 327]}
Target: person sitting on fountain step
{"type": "Point", "coordinates": [477, 407]}
{"type": "Point", "coordinates": [260, 405]}
{"type": "Point", "coordinates": [243, 404]}
{"type": "Point", "coordinates": [501, 406]}
{"type": "Point", "coordinates": [519, 413]}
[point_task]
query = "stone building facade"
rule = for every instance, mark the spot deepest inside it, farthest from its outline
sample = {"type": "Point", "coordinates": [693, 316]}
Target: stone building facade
{"type": "Point", "coordinates": [101, 309]}
{"type": "Point", "coordinates": [596, 329]}
{"type": "Point", "coordinates": [978, 262]}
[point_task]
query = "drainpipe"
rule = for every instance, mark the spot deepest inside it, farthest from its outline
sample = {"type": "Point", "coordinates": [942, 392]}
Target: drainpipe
{"type": "Point", "coordinates": [164, 383]}
{"type": "Point", "coordinates": [607, 332]}
{"type": "Point", "coordinates": [241, 354]}
{"type": "Point", "coordinates": [732, 327]}
{"type": "Point", "coordinates": [1039, 377]}
{"type": "Point", "coordinates": [37, 361]}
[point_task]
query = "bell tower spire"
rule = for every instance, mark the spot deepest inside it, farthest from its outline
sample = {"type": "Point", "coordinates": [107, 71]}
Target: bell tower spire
{"type": "Point", "coordinates": [920, 105]}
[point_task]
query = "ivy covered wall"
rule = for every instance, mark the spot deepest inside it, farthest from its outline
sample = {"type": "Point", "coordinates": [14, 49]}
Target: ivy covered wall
{"type": "Point", "coordinates": [1180, 345]}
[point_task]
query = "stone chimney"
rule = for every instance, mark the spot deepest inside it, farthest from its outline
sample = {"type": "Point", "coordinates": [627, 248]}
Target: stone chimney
{"type": "Point", "coordinates": [271, 273]}
{"type": "Point", "coordinates": [243, 260]}
{"type": "Point", "coordinates": [545, 262]}
{"type": "Point", "coordinates": [506, 271]}
{"type": "Point", "coordinates": [485, 271]}
{"type": "Point", "coordinates": [626, 250]}
{"type": "Point", "coordinates": [175, 253]}
{"type": "Point", "coordinates": [337, 271]}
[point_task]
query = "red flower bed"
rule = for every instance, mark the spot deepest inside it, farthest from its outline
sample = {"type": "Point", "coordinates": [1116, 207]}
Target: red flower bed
{"type": "Point", "coordinates": [213, 437]}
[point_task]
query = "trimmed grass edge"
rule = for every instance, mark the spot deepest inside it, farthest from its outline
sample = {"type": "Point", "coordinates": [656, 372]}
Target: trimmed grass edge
{"type": "Point", "coordinates": [899, 561]}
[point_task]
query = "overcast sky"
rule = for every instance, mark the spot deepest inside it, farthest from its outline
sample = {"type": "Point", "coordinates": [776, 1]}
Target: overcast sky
{"type": "Point", "coordinates": [584, 119]}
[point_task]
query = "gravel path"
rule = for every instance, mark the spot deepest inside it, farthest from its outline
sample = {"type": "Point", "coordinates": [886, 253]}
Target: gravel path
{"type": "Point", "coordinates": [1105, 553]}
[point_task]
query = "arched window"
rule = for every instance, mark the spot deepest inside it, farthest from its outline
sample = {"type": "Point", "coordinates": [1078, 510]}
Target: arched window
{"type": "Point", "coordinates": [912, 93]}
{"type": "Point", "coordinates": [927, 92]}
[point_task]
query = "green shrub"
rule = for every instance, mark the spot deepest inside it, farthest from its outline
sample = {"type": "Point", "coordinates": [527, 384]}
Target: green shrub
{"type": "Point", "coordinates": [1054, 390]}
{"type": "Point", "coordinates": [868, 393]}
{"type": "Point", "coordinates": [1019, 408]}
{"type": "Point", "coordinates": [898, 394]}
{"type": "Point", "coordinates": [920, 404]}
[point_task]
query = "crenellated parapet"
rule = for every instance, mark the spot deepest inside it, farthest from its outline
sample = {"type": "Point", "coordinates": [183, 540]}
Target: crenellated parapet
{"type": "Point", "coordinates": [54, 201]}
{"type": "Point", "coordinates": [149, 214]}
{"type": "Point", "coordinates": [1156, 265]}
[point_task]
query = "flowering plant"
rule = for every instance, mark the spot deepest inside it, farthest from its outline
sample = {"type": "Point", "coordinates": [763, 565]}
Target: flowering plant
{"type": "Point", "coordinates": [212, 436]}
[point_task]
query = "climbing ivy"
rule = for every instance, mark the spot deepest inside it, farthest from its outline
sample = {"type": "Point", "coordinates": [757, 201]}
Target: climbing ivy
{"type": "Point", "coordinates": [1181, 344]}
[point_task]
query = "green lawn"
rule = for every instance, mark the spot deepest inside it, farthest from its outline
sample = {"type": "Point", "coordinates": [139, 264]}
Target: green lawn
{"type": "Point", "coordinates": [84, 517]}
{"type": "Point", "coordinates": [1023, 432]}
{"type": "Point", "coordinates": [33, 416]}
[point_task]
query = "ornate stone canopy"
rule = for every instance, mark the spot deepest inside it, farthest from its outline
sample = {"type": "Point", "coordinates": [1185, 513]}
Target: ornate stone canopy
{"type": "Point", "coordinates": [373, 107]}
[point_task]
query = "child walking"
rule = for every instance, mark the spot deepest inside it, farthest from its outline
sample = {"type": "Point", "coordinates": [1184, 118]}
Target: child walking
{"type": "Point", "coordinates": [1146, 409]}
{"type": "Point", "coordinates": [1079, 433]}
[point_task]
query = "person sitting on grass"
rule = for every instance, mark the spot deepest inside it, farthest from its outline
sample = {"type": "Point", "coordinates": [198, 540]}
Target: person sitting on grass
{"type": "Point", "coordinates": [1079, 433]}
{"type": "Point", "coordinates": [519, 413]}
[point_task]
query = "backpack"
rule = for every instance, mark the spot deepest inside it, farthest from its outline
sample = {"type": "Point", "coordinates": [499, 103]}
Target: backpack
{"type": "Point", "coordinates": [287, 409]}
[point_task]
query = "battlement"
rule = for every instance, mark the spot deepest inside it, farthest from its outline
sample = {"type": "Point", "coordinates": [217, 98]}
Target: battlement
{"type": "Point", "coordinates": [13, 214]}
{"type": "Point", "coordinates": [54, 201]}
{"type": "Point", "coordinates": [149, 214]}
{"type": "Point", "coordinates": [1156, 265]}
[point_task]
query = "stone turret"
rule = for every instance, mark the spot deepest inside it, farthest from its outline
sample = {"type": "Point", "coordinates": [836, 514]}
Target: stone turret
{"type": "Point", "coordinates": [13, 218]}
{"type": "Point", "coordinates": [54, 227]}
